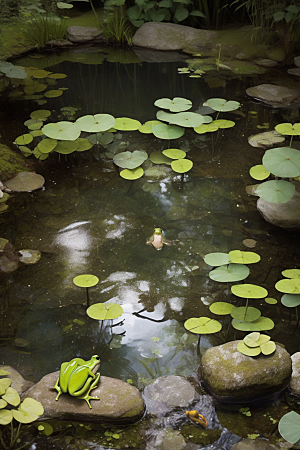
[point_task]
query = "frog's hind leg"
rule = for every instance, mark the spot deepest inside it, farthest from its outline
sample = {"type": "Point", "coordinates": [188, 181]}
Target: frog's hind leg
{"type": "Point", "coordinates": [87, 396]}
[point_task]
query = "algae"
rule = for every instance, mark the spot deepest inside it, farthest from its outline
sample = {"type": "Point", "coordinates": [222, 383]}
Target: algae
{"type": "Point", "coordinates": [11, 163]}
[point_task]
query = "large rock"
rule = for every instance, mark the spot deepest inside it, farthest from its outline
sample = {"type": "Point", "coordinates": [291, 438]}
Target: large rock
{"type": "Point", "coordinates": [170, 36]}
{"type": "Point", "coordinates": [231, 376]}
{"type": "Point", "coordinates": [17, 381]}
{"type": "Point", "coordinates": [119, 402]}
{"type": "Point", "coordinates": [273, 95]}
{"type": "Point", "coordinates": [255, 444]}
{"type": "Point", "coordinates": [285, 215]}
{"type": "Point", "coordinates": [295, 380]}
{"type": "Point", "coordinates": [79, 34]}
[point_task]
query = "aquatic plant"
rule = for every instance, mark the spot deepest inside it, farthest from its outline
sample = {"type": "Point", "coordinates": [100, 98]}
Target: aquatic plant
{"type": "Point", "coordinates": [291, 288]}
{"type": "Point", "coordinates": [104, 311]}
{"type": "Point", "coordinates": [86, 280]}
{"type": "Point", "coordinates": [44, 28]}
{"type": "Point", "coordinates": [289, 427]}
{"type": "Point", "coordinates": [255, 343]}
{"type": "Point", "coordinates": [117, 28]}
{"type": "Point", "coordinates": [10, 258]}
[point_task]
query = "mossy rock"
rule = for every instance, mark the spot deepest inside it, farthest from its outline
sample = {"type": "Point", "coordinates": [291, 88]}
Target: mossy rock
{"type": "Point", "coordinates": [11, 163]}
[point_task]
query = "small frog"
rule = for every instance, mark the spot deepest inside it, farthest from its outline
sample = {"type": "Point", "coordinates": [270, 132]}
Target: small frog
{"type": "Point", "coordinates": [158, 239]}
{"type": "Point", "coordinates": [77, 379]}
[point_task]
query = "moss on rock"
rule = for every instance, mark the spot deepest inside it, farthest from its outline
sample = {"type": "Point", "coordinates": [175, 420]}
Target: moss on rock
{"type": "Point", "coordinates": [11, 163]}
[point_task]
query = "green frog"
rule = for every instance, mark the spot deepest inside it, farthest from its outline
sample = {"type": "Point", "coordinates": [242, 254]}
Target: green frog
{"type": "Point", "coordinates": [77, 379]}
{"type": "Point", "coordinates": [158, 239]}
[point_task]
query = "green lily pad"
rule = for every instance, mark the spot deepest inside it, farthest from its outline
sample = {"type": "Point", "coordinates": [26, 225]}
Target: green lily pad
{"type": "Point", "coordinates": [256, 339]}
{"type": "Point", "coordinates": [5, 417]}
{"type": "Point", "coordinates": [282, 162]}
{"type": "Point", "coordinates": [239, 257]}
{"type": "Point", "coordinates": [66, 131]}
{"type": "Point", "coordinates": [266, 139]}
{"type": "Point", "coordinates": [261, 324]}
{"type": "Point", "coordinates": [183, 119]}
{"type": "Point", "coordinates": [221, 308]}
{"type": "Point", "coordinates": [4, 385]}
{"type": "Point", "coordinates": [127, 124]}
{"type": "Point", "coordinates": [217, 259]}
{"type": "Point", "coordinates": [268, 348]}
{"type": "Point", "coordinates": [248, 351]}
{"type": "Point", "coordinates": [178, 104]}
{"type": "Point", "coordinates": [130, 160]}
{"type": "Point", "coordinates": [83, 144]}
{"type": "Point", "coordinates": [206, 128]}
{"type": "Point", "coordinates": [58, 76]}
{"type": "Point", "coordinates": [36, 133]}
{"type": "Point", "coordinates": [229, 273]}
{"type": "Point", "coordinates": [222, 105]}
{"type": "Point", "coordinates": [202, 325]}
{"type": "Point", "coordinates": [11, 396]}
{"type": "Point", "coordinates": [85, 280]}
{"type": "Point", "coordinates": [291, 300]}
{"type": "Point", "coordinates": [25, 182]}
{"type": "Point", "coordinates": [24, 139]}
{"type": "Point", "coordinates": [96, 123]}
{"type": "Point", "coordinates": [158, 157]}
{"type": "Point", "coordinates": [105, 311]}
{"type": "Point", "coordinates": [291, 273]}
{"type": "Point", "coordinates": [40, 73]}
{"type": "Point", "coordinates": [66, 147]}
{"type": "Point", "coordinates": [259, 172]}
{"type": "Point", "coordinates": [288, 286]}
{"type": "Point", "coordinates": [164, 131]}
{"type": "Point", "coordinates": [271, 301]}
{"type": "Point", "coordinates": [147, 127]}
{"type": "Point", "coordinates": [288, 129]}
{"type": "Point", "coordinates": [222, 123]}
{"type": "Point", "coordinates": [53, 93]}
{"type": "Point", "coordinates": [29, 256]}
{"type": "Point", "coordinates": [32, 406]}
{"type": "Point", "coordinates": [289, 427]}
{"type": "Point", "coordinates": [3, 403]}
{"type": "Point", "coordinates": [132, 174]}
{"type": "Point", "coordinates": [249, 291]}
{"type": "Point", "coordinates": [47, 145]}
{"type": "Point", "coordinates": [174, 153]}
{"type": "Point", "coordinates": [247, 314]}
{"type": "Point", "coordinates": [276, 191]}
{"type": "Point", "coordinates": [181, 165]}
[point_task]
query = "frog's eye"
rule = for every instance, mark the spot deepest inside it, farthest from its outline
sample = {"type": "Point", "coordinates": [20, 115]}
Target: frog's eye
{"type": "Point", "coordinates": [96, 357]}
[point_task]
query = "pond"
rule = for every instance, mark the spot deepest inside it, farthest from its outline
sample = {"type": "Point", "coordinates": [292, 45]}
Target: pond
{"type": "Point", "coordinates": [88, 219]}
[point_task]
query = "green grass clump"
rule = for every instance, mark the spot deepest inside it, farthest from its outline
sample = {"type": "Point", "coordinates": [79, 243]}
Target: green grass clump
{"type": "Point", "coordinates": [46, 28]}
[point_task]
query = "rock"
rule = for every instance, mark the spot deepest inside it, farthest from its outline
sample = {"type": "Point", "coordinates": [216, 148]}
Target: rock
{"type": "Point", "coordinates": [62, 44]}
{"type": "Point", "coordinates": [166, 393]}
{"type": "Point", "coordinates": [119, 402]}
{"type": "Point", "coordinates": [266, 62]}
{"type": "Point", "coordinates": [17, 381]}
{"type": "Point", "coordinates": [79, 34]}
{"type": "Point", "coordinates": [167, 439]}
{"type": "Point", "coordinates": [295, 380]}
{"type": "Point", "coordinates": [11, 163]}
{"type": "Point", "coordinates": [275, 96]}
{"type": "Point", "coordinates": [297, 61]}
{"type": "Point", "coordinates": [254, 444]}
{"type": "Point", "coordinates": [150, 56]}
{"type": "Point", "coordinates": [231, 376]}
{"type": "Point", "coordinates": [294, 71]}
{"type": "Point", "coordinates": [285, 215]}
{"type": "Point", "coordinates": [170, 36]}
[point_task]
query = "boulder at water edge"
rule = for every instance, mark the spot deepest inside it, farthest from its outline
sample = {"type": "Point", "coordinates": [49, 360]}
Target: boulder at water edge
{"type": "Point", "coordinates": [295, 380]}
{"type": "Point", "coordinates": [273, 95]}
{"type": "Point", "coordinates": [231, 376]}
{"type": "Point", "coordinates": [17, 381]}
{"type": "Point", "coordinates": [80, 35]}
{"type": "Point", "coordinates": [119, 402]}
{"type": "Point", "coordinates": [285, 215]}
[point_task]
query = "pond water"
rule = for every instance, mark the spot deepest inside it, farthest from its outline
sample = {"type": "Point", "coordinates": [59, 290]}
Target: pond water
{"type": "Point", "coordinates": [89, 220]}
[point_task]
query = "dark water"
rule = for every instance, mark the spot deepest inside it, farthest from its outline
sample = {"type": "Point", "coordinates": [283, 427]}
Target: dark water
{"type": "Point", "coordinates": [89, 220]}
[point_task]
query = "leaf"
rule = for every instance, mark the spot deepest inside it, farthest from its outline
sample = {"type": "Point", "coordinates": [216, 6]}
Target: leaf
{"type": "Point", "coordinates": [206, 128]}
{"type": "Point", "coordinates": [47, 145]}
{"type": "Point", "coordinates": [247, 314]}
{"type": "Point", "coordinates": [66, 131]}
{"type": "Point", "coordinates": [268, 347]}
{"type": "Point", "coordinates": [282, 162]}
{"type": "Point", "coordinates": [53, 93]}
{"type": "Point", "coordinates": [270, 301]}
{"type": "Point", "coordinates": [40, 73]}
{"type": "Point", "coordinates": [229, 273]}
{"type": "Point", "coordinates": [11, 396]}
{"type": "Point", "coordinates": [159, 158]}
{"type": "Point", "coordinates": [291, 273]}
{"type": "Point", "coordinates": [178, 104]}
{"type": "Point", "coordinates": [147, 127]}
{"type": "Point", "coordinates": [130, 160]}
{"type": "Point", "coordinates": [5, 417]}
{"type": "Point", "coordinates": [29, 256]}
{"type": "Point", "coordinates": [24, 139]}
{"type": "Point", "coordinates": [221, 123]}
{"type": "Point", "coordinates": [181, 165]}
{"type": "Point", "coordinates": [164, 131]}
{"type": "Point", "coordinates": [127, 124]}
{"type": "Point", "coordinates": [67, 147]}
{"type": "Point", "coordinates": [289, 427]}
{"type": "Point", "coordinates": [221, 308]}
{"type": "Point", "coordinates": [288, 129]}
{"type": "Point", "coordinates": [23, 416]}
{"type": "Point", "coordinates": [184, 119]}
{"type": "Point", "coordinates": [96, 123]}
{"type": "Point", "coordinates": [217, 259]}
{"type": "Point", "coordinates": [239, 257]}
{"type": "Point", "coordinates": [202, 325]}
{"type": "Point", "coordinates": [4, 384]}
{"type": "Point", "coordinates": [288, 286]}
{"type": "Point", "coordinates": [251, 339]}
{"type": "Point", "coordinates": [104, 311]}
{"type": "Point", "coordinates": [57, 76]}
{"type": "Point", "coordinates": [32, 406]}
{"type": "Point", "coordinates": [3, 403]}
{"type": "Point", "coordinates": [245, 350]}
{"type": "Point", "coordinates": [290, 300]}
{"type": "Point", "coordinates": [83, 144]}
{"type": "Point", "coordinates": [85, 280]}
{"type": "Point", "coordinates": [174, 153]}
{"type": "Point", "coordinates": [220, 104]}
{"type": "Point", "coordinates": [2, 371]}
{"type": "Point", "coordinates": [276, 191]}
{"type": "Point", "coordinates": [261, 324]}
{"type": "Point", "coordinates": [266, 139]}
{"type": "Point", "coordinates": [181, 13]}
{"type": "Point", "coordinates": [259, 172]}
{"type": "Point", "coordinates": [132, 174]}
{"type": "Point", "coordinates": [25, 182]}
{"type": "Point", "coordinates": [249, 291]}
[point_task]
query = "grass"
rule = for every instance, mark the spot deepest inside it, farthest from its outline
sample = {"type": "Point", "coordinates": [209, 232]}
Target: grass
{"type": "Point", "coordinates": [46, 28]}
{"type": "Point", "coordinates": [117, 28]}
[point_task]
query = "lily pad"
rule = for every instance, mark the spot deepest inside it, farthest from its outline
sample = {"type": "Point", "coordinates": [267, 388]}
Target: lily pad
{"type": "Point", "coordinates": [282, 162]}
{"type": "Point", "coordinates": [259, 172]}
{"type": "Point", "coordinates": [127, 124]}
{"type": "Point", "coordinates": [288, 129]}
{"type": "Point", "coordinates": [96, 123]}
{"type": "Point", "coordinates": [206, 128]}
{"type": "Point", "coordinates": [178, 104]}
{"type": "Point", "coordinates": [248, 351]}
{"type": "Point", "coordinates": [66, 147]}
{"type": "Point", "coordinates": [4, 385]}
{"type": "Point", "coordinates": [40, 73]}
{"type": "Point", "coordinates": [291, 273]}
{"type": "Point", "coordinates": [105, 311]}
{"type": "Point", "coordinates": [271, 301]}
{"type": "Point", "coordinates": [25, 182]}
{"type": "Point", "coordinates": [132, 174]}
{"type": "Point", "coordinates": [268, 348]}
{"type": "Point", "coordinates": [256, 339]}
{"type": "Point", "coordinates": [289, 427]}
{"type": "Point", "coordinates": [58, 76]}
{"type": "Point", "coordinates": [261, 324]}
{"type": "Point", "coordinates": [249, 291]}
{"type": "Point", "coordinates": [32, 406]}
{"type": "Point", "coordinates": [29, 256]}
{"type": "Point", "coordinates": [217, 259]}
{"type": "Point", "coordinates": [5, 417]}
{"type": "Point", "coordinates": [130, 160]}
{"type": "Point", "coordinates": [158, 157]}
{"type": "Point", "coordinates": [147, 127]}
{"type": "Point", "coordinates": [229, 273]}
{"type": "Point", "coordinates": [164, 131]}
{"type": "Point", "coordinates": [53, 93]}
{"type": "Point", "coordinates": [202, 325]}
{"type": "Point", "coordinates": [66, 131]}
{"type": "Point", "coordinates": [24, 139]}
{"type": "Point", "coordinates": [11, 396]}
{"type": "Point", "coordinates": [222, 105]}
{"type": "Point", "coordinates": [183, 119]}
{"type": "Point", "coordinates": [239, 257]}
{"type": "Point", "coordinates": [290, 300]}
{"type": "Point", "coordinates": [266, 139]}
{"type": "Point", "coordinates": [276, 191]}
{"type": "Point", "coordinates": [3, 403]}
{"type": "Point", "coordinates": [247, 314]}
{"type": "Point", "coordinates": [83, 144]}
{"type": "Point", "coordinates": [221, 308]}
{"type": "Point", "coordinates": [289, 286]}
{"type": "Point", "coordinates": [181, 165]}
{"type": "Point", "coordinates": [85, 280]}
{"type": "Point", "coordinates": [47, 145]}
{"type": "Point", "coordinates": [174, 153]}
{"type": "Point", "coordinates": [221, 123]}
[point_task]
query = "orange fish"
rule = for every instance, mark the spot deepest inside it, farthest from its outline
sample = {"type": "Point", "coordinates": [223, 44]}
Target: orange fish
{"type": "Point", "coordinates": [196, 417]}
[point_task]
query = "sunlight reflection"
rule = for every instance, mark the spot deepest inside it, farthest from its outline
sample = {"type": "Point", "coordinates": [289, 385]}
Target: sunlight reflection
{"type": "Point", "coordinates": [76, 243]}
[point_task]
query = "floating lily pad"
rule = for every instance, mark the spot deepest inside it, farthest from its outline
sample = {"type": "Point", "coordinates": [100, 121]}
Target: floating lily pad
{"type": "Point", "coordinates": [29, 256]}
{"type": "Point", "coordinates": [259, 172]}
{"type": "Point", "coordinates": [35, 133]}
{"type": "Point", "coordinates": [66, 147]}
{"type": "Point", "coordinates": [229, 273]}
{"type": "Point", "coordinates": [282, 162]}
{"type": "Point", "coordinates": [11, 396]}
{"type": "Point", "coordinates": [178, 104]}
{"type": "Point", "coordinates": [291, 273]}
{"type": "Point", "coordinates": [57, 76]}
{"type": "Point", "coordinates": [288, 129]}
{"type": "Point", "coordinates": [276, 191]}
{"type": "Point", "coordinates": [206, 128]}
{"type": "Point", "coordinates": [245, 350]}
{"type": "Point", "coordinates": [184, 119]}
{"type": "Point", "coordinates": [174, 153]}
{"type": "Point", "coordinates": [247, 314]}
{"type": "Point", "coordinates": [40, 73]}
{"type": "Point", "coordinates": [290, 300]}
{"type": "Point", "coordinates": [24, 139]}
{"type": "Point", "coordinates": [289, 286]}
{"type": "Point", "coordinates": [5, 417]}
{"type": "Point", "coordinates": [130, 160]}
{"type": "Point", "coordinates": [147, 127]}
{"type": "Point", "coordinates": [96, 123]}
{"type": "Point", "coordinates": [47, 145]}
{"type": "Point", "coordinates": [159, 158]}
{"type": "Point", "coordinates": [202, 325]}
{"type": "Point", "coordinates": [85, 280]}
{"type": "Point", "coordinates": [4, 385]}
{"type": "Point", "coordinates": [289, 427]}
{"type": "Point", "coordinates": [25, 182]}
{"type": "Point", "coordinates": [132, 174]}
{"type": "Point", "coordinates": [249, 291]}
{"type": "Point", "coordinates": [83, 144]}
{"type": "Point", "coordinates": [181, 165]}
{"type": "Point", "coordinates": [239, 257]}
{"type": "Point", "coordinates": [221, 123]}
{"type": "Point", "coordinates": [220, 104]}
{"type": "Point", "coordinates": [217, 259]}
{"type": "Point", "coordinates": [266, 139]}
{"type": "Point", "coordinates": [271, 301]}
{"type": "Point", "coordinates": [256, 339]}
{"type": "Point", "coordinates": [164, 131]}
{"type": "Point", "coordinates": [127, 124]}
{"type": "Point", "coordinates": [66, 131]}
{"type": "Point", "coordinates": [221, 308]}
{"type": "Point", "coordinates": [53, 93]}
{"type": "Point", "coordinates": [105, 311]}
{"type": "Point", "coordinates": [3, 403]}
{"type": "Point", "coordinates": [261, 324]}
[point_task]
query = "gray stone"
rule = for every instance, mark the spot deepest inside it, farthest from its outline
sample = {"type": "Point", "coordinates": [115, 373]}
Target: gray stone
{"type": "Point", "coordinates": [295, 380]}
{"type": "Point", "coordinates": [119, 402]}
{"type": "Point", "coordinates": [273, 95]}
{"type": "Point", "coordinates": [297, 61]}
{"type": "Point", "coordinates": [266, 62]}
{"type": "Point", "coordinates": [167, 439]}
{"type": "Point", "coordinates": [62, 44]}
{"type": "Point", "coordinates": [231, 376]}
{"type": "Point", "coordinates": [17, 381]}
{"type": "Point", "coordinates": [254, 444]}
{"type": "Point", "coordinates": [166, 393]}
{"type": "Point", "coordinates": [79, 34]}
{"type": "Point", "coordinates": [285, 215]}
{"type": "Point", "coordinates": [294, 71]}
{"type": "Point", "coordinates": [149, 55]}
{"type": "Point", "coordinates": [170, 36]}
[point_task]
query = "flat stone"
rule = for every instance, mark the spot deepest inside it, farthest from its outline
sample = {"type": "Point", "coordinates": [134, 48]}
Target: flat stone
{"type": "Point", "coordinates": [171, 36]}
{"type": "Point", "coordinates": [295, 380]}
{"type": "Point", "coordinates": [166, 393]}
{"type": "Point", "coordinates": [79, 34]}
{"type": "Point", "coordinates": [297, 61]}
{"type": "Point", "coordinates": [17, 381]}
{"type": "Point", "coordinates": [285, 215]}
{"type": "Point", "coordinates": [231, 376]}
{"type": "Point", "coordinates": [58, 44]}
{"type": "Point", "coordinates": [273, 95]}
{"type": "Point", "coordinates": [294, 71]}
{"type": "Point", "coordinates": [154, 56]}
{"type": "Point", "coordinates": [167, 439]}
{"type": "Point", "coordinates": [266, 62]}
{"type": "Point", "coordinates": [119, 402]}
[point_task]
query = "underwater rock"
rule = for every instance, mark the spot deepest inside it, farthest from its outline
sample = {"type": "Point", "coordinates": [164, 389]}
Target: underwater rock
{"type": "Point", "coordinates": [266, 62]}
{"type": "Point", "coordinates": [297, 61]}
{"type": "Point", "coordinates": [166, 393]}
{"type": "Point", "coordinates": [171, 36]}
{"type": "Point", "coordinates": [79, 34]}
{"type": "Point", "coordinates": [231, 376]}
{"type": "Point", "coordinates": [167, 439]}
{"type": "Point", "coordinates": [294, 71]}
{"type": "Point", "coordinates": [254, 444]}
{"type": "Point", "coordinates": [285, 215]}
{"type": "Point", "coordinates": [295, 380]}
{"type": "Point", "coordinates": [119, 402]}
{"type": "Point", "coordinates": [154, 56]}
{"type": "Point", "coordinates": [17, 381]}
{"type": "Point", "coordinates": [275, 96]}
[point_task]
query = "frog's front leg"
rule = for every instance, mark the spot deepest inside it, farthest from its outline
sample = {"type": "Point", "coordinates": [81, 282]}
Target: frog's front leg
{"type": "Point", "coordinates": [87, 396]}
{"type": "Point", "coordinates": [58, 388]}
